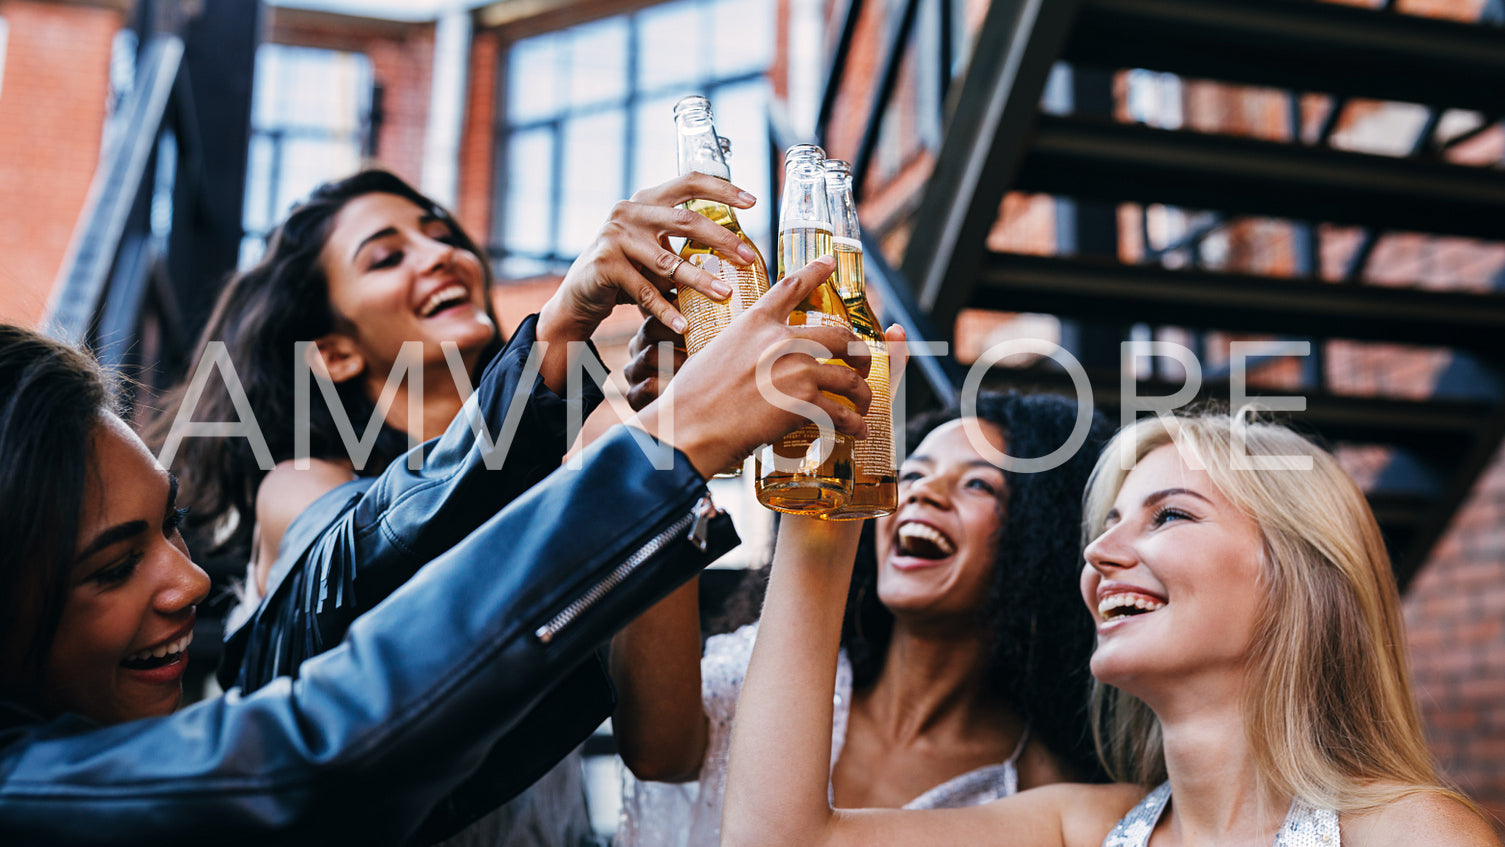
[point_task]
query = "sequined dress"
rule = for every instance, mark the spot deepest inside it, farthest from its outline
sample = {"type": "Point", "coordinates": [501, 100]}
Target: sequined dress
{"type": "Point", "coordinates": [660, 814]}
{"type": "Point", "coordinates": [1304, 826]}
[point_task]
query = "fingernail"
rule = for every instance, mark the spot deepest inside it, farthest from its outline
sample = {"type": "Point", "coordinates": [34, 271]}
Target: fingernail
{"type": "Point", "coordinates": [677, 324]}
{"type": "Point", "coordinates": [746, 253]}
{"type": "Point", "coordinates": [747, 198]}
{"type": "Point", "coordinates": [721, 289]}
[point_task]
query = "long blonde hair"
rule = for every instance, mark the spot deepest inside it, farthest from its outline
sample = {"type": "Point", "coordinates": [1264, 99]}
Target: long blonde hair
{"type": "Point", "coordinates": [1329, 710]}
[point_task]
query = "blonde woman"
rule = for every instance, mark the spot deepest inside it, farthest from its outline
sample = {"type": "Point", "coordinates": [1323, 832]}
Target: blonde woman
{"type": "Point", "coordinates": [1251, 681]}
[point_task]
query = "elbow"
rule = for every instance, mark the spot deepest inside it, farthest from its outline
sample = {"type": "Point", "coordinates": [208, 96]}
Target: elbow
{"type": "Point", "coordinates": [667, 763]}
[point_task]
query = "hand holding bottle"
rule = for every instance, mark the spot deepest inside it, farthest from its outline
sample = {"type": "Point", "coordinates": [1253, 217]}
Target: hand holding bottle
{"type": "Point", "coordinates": [629, 261]}
{"type": "Point", "coordinates": [647, 372]}
{"type": "Point", "coordinates": [716, 411]}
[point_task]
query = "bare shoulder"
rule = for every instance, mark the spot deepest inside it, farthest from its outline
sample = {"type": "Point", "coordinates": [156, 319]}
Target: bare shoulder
{"type": "Point", "coordinates": [290, 489]}
{"type": "Point", "coordinates": [1419, 820]}
{"type": "Point", "coordinates": [1086, 812]}
{"type": "Point", "coordinates": [285, 492]}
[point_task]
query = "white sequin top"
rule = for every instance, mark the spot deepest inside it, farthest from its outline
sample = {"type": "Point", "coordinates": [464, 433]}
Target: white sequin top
{"type": "Point", "coordinates": [659, 814]}
{"type": "Point", "coordinates": [1304, 826]}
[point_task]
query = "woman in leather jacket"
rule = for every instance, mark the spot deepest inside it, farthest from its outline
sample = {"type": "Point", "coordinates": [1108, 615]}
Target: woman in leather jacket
{"type": "Point", "coordinates": [372, 281]}
{"type": "Point", "coordinates": [97, 594]}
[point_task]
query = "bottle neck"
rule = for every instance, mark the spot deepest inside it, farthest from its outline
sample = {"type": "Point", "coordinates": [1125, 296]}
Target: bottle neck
{"type": "Point", "coordinates": [700, 148]}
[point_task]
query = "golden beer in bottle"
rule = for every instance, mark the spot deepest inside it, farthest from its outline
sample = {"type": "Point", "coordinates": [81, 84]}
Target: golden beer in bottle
{"type": "Point", "coordinates": [700, 151]}
{"type": "Point", "coordinates": [875, 490]}
{"type": "Point", "coordinates": [809, 471]}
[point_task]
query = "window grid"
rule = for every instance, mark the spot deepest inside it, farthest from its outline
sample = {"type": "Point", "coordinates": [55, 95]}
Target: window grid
{"type": "Point", "coordinates": [517, 260]}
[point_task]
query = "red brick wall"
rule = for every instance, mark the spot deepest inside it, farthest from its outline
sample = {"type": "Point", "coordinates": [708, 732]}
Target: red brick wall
{"type": "Point", "coordinates": [52, 110]}
{"type": "Point", "coordinates": [478, 145]}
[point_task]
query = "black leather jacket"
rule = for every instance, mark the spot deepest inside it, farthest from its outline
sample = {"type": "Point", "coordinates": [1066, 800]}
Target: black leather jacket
{"type": "Point", "coordinates": [355, 545]}
{"type": "Point", "coordinates": [428, 687]}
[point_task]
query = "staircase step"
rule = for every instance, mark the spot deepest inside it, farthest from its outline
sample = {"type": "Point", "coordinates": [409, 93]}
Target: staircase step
{"type": "Point", "coordinates": [1424, 427]}
{"type": "Point", "coordinates": [1083, 288]}
{"type": "Point", "coordinates": [1103, 160]}
{"type": "Point", "coordinates": [1301, 45]}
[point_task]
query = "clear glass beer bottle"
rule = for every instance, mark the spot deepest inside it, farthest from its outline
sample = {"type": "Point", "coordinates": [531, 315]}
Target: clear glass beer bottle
{"type": "Point", "coordinates": [810, 470]}
{"type": "Point", "coordinates": [874, 485]}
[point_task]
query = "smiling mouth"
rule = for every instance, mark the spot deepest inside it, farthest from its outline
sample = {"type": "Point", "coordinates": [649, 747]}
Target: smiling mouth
{"type": "Point", "coordinates": [1117, 606]}
{"type": "Point", "coordinates": [449, 295]}
{"type": "Point", "coordinates": [922, 541]}
{"type": "Point", "coordinates": [159, 656]}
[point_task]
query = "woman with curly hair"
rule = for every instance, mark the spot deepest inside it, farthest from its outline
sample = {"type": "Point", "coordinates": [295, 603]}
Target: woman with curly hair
{"type": "Point", "coordinates": [962, 671]}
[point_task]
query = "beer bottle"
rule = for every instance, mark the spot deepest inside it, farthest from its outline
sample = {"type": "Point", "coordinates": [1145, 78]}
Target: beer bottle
{"type": "Point", "coordinates": [700, 151]}
{"type": "Point", "coordinates": [808, 471]}
{"type": "Point", "coordinates": [874, 484]}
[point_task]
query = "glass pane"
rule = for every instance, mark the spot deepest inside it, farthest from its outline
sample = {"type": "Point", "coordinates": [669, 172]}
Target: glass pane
{"type": "Point", "coordinates": [655, 158]}
{"type": "Point", "coordinates": [264, 98]}
{"type": "Point", "coordinates": [668, 47]}
{"type": "Point", "coordinates": [533, 79]}
{"type": "Point", "coordinates": [593, 178]}
{"type": "Point", "coordinates": [530, 168]}
{"type": "Point", "coordinates": [308, 161]}
{"type": "Point", "coordinates": [743, 31]}
{"type": "Point", "coordinates": [598, 62]}
{"type": "Point", "coordinates": [258, 213]}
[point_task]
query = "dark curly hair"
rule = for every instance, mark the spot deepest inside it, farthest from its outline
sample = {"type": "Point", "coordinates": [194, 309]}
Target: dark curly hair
{"type": "Point", "coordinates": [259, 316]}
{"type": "Point", "coordinates": [1042, 636]}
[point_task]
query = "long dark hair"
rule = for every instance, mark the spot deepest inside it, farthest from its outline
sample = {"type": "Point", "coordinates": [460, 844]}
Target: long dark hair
{"type": "Point", "coordinates": [51, 400]}
{"type": "Point", "coordinates": [1042, 637]}
{"type": "Point", "coordinates": [259, 316]}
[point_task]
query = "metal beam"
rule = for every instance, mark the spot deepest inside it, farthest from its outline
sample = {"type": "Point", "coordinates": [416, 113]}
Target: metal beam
{"type": "Point", "coordinates": [1299, 44]}
{"type": "Point", "coordinates": [1421, 426]}
{"type": "Point", "coordinates": [985, 140]}
{"type": "Point", "coordinates": [1203, 299]}
{"type": "Point", "coordinates": [1118, 162]}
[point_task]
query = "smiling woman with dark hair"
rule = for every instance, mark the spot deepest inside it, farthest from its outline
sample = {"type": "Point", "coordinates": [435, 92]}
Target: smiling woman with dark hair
{"type": "Point", "coordinates": [377, 735]}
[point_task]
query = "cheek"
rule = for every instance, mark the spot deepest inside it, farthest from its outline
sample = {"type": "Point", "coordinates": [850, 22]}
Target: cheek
{"type": "Point", "coordinates": [1089, 581]}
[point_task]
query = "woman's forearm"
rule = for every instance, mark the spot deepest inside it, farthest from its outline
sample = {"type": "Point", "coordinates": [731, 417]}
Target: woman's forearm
{"type": "Point", "coordinates": [781, 742]}
{"type": "Point", "coordinates": [659, 722]}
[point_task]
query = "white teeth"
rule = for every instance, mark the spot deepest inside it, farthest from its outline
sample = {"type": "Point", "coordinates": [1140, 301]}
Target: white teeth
{"type": "Point", "coordinates": [170, 648]}
{"type": "Point", "coordinates": [1114, 602]}
{"type": "Point", "coordinates": [443, 297]}
{"type": "Point", "coordinates": [927, 533]}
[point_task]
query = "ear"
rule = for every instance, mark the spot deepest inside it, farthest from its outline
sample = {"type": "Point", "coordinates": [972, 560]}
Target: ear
{"type": "Point", "coordinates": [335, 356]}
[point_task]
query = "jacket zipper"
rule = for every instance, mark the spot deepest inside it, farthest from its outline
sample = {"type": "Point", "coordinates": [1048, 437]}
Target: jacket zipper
{"type": "Point", "coordinates": [696, 522]}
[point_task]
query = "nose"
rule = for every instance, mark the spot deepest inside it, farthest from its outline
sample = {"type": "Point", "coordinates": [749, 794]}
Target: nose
{"type": "Point", "coordinates": [929, 488]}
{"type": "Point", "coordinates": [182, 584]}
{"type": "Point", "coordinates": [439, 255]}
{"type": "Point", "coordinates": [1109, 551]}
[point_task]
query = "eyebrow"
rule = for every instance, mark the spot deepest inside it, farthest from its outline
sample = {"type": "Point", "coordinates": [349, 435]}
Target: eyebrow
{"type": "Point", "coordinates": [970, 463]}
{"type": "Point", "coordinates": [423, 220]}
{"type": "Point", "coordinates": [130, 529]}
{"type": "Point", "coordinates": [375, 236]}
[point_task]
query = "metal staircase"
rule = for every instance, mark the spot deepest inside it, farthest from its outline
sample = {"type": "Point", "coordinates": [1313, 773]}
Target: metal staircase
{"type": "Point", "coordinates": [998, 139]}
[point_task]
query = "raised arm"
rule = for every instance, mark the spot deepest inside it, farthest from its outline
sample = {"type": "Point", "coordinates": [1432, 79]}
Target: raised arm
{"type": "Point", "coordinates": [776, 790]}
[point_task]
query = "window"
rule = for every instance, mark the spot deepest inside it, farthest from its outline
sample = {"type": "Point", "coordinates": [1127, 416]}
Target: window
{"type": "Point", "coordinates": [310, 121]}
{"type": "Point", "coordinates": [589, 120]}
